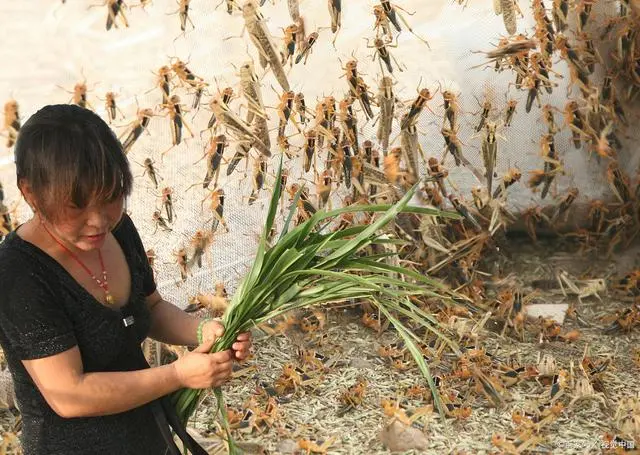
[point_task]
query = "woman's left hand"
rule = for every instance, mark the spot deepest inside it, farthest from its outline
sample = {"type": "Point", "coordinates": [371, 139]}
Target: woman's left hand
{"type": "Point", "coordinates": [212, 330]}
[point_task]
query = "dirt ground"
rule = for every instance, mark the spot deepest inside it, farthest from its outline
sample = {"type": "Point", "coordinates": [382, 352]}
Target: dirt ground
{"type": "Point", "coordinates": [312, 412]}
{"type": "Point", "coordinates": [350, 352]}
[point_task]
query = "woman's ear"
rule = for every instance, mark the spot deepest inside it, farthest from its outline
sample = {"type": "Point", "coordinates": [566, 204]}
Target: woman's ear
{"type": "Point", "coordinates": [25, 188]}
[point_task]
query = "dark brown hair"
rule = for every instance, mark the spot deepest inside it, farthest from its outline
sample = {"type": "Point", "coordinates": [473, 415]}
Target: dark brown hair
{"type": "Point", "coordinates": [68, 154]}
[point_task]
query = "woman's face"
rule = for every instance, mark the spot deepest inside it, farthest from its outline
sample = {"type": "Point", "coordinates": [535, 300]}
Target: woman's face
{"type": "Point", "coordinates": [86, 228]}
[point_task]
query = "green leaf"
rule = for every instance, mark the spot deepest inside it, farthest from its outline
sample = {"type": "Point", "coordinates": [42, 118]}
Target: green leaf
{"type": "Point", "coordinates": [416, 353]}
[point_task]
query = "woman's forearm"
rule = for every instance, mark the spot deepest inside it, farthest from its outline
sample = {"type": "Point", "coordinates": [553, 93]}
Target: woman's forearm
{"type": "Point", "coordinates": [171, 325]}
{"type": "Point", "coordinates": [99, 394]}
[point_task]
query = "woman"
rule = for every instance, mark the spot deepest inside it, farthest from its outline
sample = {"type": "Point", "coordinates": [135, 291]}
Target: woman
{"type": "Point", "coordinates": [78, 298]}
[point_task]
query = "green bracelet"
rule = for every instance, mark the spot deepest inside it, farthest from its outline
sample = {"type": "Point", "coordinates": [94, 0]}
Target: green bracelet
{"type": "Point", "coordinates": [200, 326]}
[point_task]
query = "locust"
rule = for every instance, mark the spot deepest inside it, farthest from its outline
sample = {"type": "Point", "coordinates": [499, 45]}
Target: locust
{"type": "Point", "coordinates": [512, 176]}
{"type": "Point", "coordinates": [576, 122]}
{"type": "Point", "coordinates": [424, 95]}
{"type": "Point", "coordinates": [410, 148]}
{"type": "Point", "coordinates": [382, 24]}
{"type": "Point", "coordinates": [464, 211]}
{"type": "Point", "coordinates": [305, 49]}
{"type": "Point", "coordinates": [348, 121]}
{"type": "Point", "coordinates": [510, 111]}
{"type": "Point", "coordinates": [216, 198]}
{"type": "Point", "coordinates": [261, 38]}
{"type": "Point", "coordinates": [214, 153]}
{"type": "Point", "coordinates": [294, 10]}
{"type": "Point", "coordinates": [259, 171]}
{"type": "Point", "coordinates": [508, 10]}
{"type": "Point", "coordinates": [386, 101]}
{"type": "Point", "coordinates": [200, 241]}
{"type": "Point", "coordinates": [393, 15]}
{"type": "Point", "coordinates": [550, 162]}
{"type": "Point", "coordinates": [160, 221]}
{"type": "Point", "coordinates": [150, 169]}
{"type": "Point", "coordinates": [111, 107]}
{"type": "Point", "coordinates": [309, 149]}
{"type": "Point", "coordinates": [451, 108]}
{"type": "Point", "coordinates": [167, 202]}
{"type": "Point", "coordinates": [453, 145]}
{"type": "Point", "coordinates": [335, 10]}
{"type": "Point", "coordinates": [383, 54]}
{"type": "Point", "coordinates": [175, 112]}
{"type": "Point", "coordinates": [285, 109]}
{"type": "Point", "coordinates": [300, 107]}
{"type": "Point", "coordinates": [115, 8]}
{"type": "Point", "coordinates": [137, 127]}
{"type": "Point", "coordinates": [490, 152]}
{"type": "Point", "coordinates": [251, 90]}
{"type": "Point", "coordinates": [242, 151]}
{"type": "Point", "coordinates": [564, 205]}
{"type": "Point", "coordinates": [290, 40]}
{"type": "Point", "coordinates": [230, 120]}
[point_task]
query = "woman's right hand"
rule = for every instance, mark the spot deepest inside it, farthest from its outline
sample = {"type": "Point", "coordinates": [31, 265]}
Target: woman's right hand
{"type": "Point", "coordinates": [199, 369]}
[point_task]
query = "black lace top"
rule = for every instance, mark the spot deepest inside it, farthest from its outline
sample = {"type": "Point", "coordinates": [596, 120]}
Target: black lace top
{"type": "Point", "coordinates": [44, 311]}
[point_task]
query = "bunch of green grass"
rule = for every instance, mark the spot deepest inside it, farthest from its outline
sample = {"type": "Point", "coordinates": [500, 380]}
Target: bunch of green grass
{"type": "Point", "coordinates": [308, 266]}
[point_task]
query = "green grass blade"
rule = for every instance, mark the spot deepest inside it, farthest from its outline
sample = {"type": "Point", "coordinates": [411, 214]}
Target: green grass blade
{"type": "Point", "coordinates": [417, 356]}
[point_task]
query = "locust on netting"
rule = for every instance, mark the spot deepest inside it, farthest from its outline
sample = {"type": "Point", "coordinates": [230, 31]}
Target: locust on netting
{"type": "Point", "coordinates": [550, 162]}
{"type": "Point", "coordinates": [175, 111]}
{"type": "Point", "coordinates": [115, 10]}
{"type": "Point", "coordinates": [252, 92]}
{"type": "Point", "coordinates": [160, 222]}
{"type": "Point", "coordinates": [111, 107]}
{"type": "Point", "coordinates": [300, 107]}
{"type": "Point", "coordinates": [323, 188]}
{"type": "Point", "coordinates": [242, 151]}
{"type": "Point", "coordinates": [424, 96]}
{"type": "Point", "coordinates": [348, 121]}
{"type": "Point", "coordinates": [393, 14]}
{"type": "Point", "coordinates": [304, 50]}
{"type": "Point", "coordinates": [490, 151]}
{"type": "Point", "coordinates": [200, 242]}
{"type": "Point", "coordinates": [512, 176]}
{"type": "Point", "coordinates": [289, 44]}
{"type": "Point", "coordinates": [214, 153]}
{"type": "Point", "coordinates": [261, 131]}
{"type": "Point", "coordinates": [382, 25]}
{"type": "Point", "coordinates": [357, 87]}
{"type": "Point", "coordinates": [136, 128]}
{"type": "Point", "coordinates": [383, 54]}
{"type": "Point", "coordinates": [564, 205]}
{"type": "Point", "coordinates": [230, 120]}
{"type": "Point", "coordinates": [150, 170]}
{"type": "Point", "coordinates": [224, 97]}
{"type": "Point", "coordinates": [79, 94]}
{"type": "Point", "coordinates": [410, 148]}
{"type": "Point", "coordinates": [183, 13]}
{"type": "Point", "coordinates": [259, 171]}
{"type": "Point", "coordinates": [310, 149]}
{"type": "Point", "coordinates": [285, 110]}
{"type": "Point", "coordinates": [386, 101]}
{"type": "Point", "coordinates": [335, 11]}
{"type": "Point", "coordinates": [167, 202]}
{"type": "Point", "coordinates": [216, 204]}
{"type": "Point", "coordinates": [261, 38]}
{"type": "Point", "coordinates": [294, 9]}
{"type": "Point", "coordinates": [509, 112]}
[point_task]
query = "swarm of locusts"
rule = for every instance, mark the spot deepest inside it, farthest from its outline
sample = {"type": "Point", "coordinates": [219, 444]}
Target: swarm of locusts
{"type": "Point", "coordinates": [337, 165]}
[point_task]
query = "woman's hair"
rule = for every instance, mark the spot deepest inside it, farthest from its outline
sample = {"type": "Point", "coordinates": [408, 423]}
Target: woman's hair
{"type": "Point", "coordinates": [68, 154]}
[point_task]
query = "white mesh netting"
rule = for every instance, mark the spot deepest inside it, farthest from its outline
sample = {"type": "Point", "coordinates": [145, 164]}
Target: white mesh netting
{"type": "Point", "coordinates": [47, 46]}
